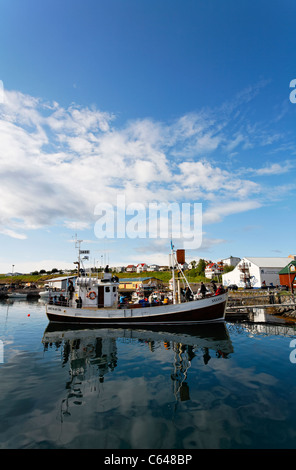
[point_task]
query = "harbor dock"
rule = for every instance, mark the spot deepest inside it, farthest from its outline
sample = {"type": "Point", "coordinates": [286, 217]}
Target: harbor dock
{"type": "Point", "coordinates": [240, 304]}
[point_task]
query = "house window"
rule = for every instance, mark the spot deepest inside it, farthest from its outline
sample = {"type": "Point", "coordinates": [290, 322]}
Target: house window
{"type": "Point", "coordinates": [107, 289]}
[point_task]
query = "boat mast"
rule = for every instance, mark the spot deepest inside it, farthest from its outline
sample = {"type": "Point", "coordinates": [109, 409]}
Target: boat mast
{"type": "Point", "coordinates": [77, 246]}
{"type": "Point", "coordinates": [173, 273]}
{"type": "Point", "coordinates": [184, 277]}
{"type": "Point", "coordinates": [174, 262]}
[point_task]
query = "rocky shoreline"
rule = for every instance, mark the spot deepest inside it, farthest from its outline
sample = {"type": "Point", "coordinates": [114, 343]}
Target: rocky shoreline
{"type": "Point", "coordinates": [287, 312]}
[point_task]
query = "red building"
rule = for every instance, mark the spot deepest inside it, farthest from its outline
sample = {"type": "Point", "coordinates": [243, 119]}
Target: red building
{"type": "Point", "coordinates": [287, 275]}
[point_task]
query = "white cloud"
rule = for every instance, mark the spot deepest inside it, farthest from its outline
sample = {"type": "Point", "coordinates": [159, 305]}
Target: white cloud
{"type": "Point", "coordinates": [205, 178]}
{"type": "Point", "coordinates": [276, 168]}
{"type": "Point", "coordinates": [76, 225]}
{"type": "Point", "coordinates": [217, 212]}
{"type": "Point", "coordinates": [13, 234]}
{"type": "Point", "coordinates": [57, 163]}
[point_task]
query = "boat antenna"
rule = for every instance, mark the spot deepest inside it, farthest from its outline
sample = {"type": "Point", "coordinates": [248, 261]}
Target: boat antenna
{"type": "Point", "coordinates": [77, 246]}
{"type": "Point", "coordinates": [173, 271]}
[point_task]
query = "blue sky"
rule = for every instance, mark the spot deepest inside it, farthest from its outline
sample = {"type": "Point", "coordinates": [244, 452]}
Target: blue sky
{"type": "Point", "coordinates": [163, 101]}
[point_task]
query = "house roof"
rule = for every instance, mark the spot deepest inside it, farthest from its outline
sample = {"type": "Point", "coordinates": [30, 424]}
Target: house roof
{"type": "Point", "coordinates": [269, 262]}
{"type": "Point", "coordinates": [286, 269]}
{"type": "Point", "coordinates": [210, 264]}
{"type": "Point", "coordinates": [62, 278]}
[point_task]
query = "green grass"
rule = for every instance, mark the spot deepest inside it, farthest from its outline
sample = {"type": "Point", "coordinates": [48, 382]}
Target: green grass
{"type": "Point", "coordinates": [24, 278]}
{"type": "Point", "coordinates": [164, 276]}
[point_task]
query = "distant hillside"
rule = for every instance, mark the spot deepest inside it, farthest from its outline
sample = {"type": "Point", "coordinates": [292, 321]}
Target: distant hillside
{"type": "Point", "coordinates": [24, 278]}
{"type": "Point", "coordinates": [164, 276]}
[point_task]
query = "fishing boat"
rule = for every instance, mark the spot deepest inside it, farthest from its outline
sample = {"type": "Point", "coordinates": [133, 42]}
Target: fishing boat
{"type": "Point", "coordinates": [44, 294]}
{"type": "Point", "coordinates": [94, 301]}
{"type": "Point", "coordinates": [17, 295]}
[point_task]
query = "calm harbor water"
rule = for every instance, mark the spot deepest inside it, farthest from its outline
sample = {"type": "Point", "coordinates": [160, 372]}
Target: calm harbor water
{"type": "Point", "coordinates": [219, 386]}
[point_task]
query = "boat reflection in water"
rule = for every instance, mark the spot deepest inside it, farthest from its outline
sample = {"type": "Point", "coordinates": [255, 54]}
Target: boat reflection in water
{"type": "Point", "coordinates": [93, 353]}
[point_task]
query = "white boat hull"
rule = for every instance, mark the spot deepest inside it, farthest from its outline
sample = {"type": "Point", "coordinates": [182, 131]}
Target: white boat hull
{"type": "Point", "coordinates": [44, 294]}
{"type": "Point", "coordinates": [211, 309]}
{"type": "Point", "coordinates": [17, 296]}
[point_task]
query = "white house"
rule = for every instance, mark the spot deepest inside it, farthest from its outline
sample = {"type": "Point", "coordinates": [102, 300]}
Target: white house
{"type": "Point", "coordinates": [118, 269]}
{"type": "Point", "coordinates": [141, 267]}
{"type": "Point", "coordinates": [231, 261]}
{"type": "Point", "coordinates": [184, 266]}
{"type": "Point", "coordinates": [213, 269]}
{"type": "Point", "coordinates": [131, 268]}
{"type": "Point", "coordinates": [153, 267]}
{"type": "Point", "coordinates": [254, 271]}
{"type": "Point", "coordinates": [164, 268]}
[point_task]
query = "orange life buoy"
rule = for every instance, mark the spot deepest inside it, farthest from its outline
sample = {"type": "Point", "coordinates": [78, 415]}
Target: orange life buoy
{"type": "Point", "coordinates": [92, 295]}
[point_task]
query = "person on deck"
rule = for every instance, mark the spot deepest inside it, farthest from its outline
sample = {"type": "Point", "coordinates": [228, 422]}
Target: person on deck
{"type": "Point", "coordinates": [220, 290]}
{"type": "Point", "coordinates": [188, 294]}
{"type": "Point", "coordinates": [214, 286]}
{"type": "Point", "coordinates": [203, 290]}
{"type": "Point", "coordinates": [71, 289]}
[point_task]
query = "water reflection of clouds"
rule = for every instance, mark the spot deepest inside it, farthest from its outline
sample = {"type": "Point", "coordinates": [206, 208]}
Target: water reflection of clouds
{"type": "Point", "coordinates": [137, 402]}
{"type": "Point", "coordinates": [242, 399]}
{"type": "Point", "coordinates": [29, 393]}
{"type": "Point", "coordinates": [112, 393]}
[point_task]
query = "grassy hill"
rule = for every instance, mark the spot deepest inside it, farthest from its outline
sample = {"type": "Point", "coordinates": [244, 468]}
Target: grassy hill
{"type": "Point", "coordinates": [164, 276]}
{"type": "Point", "coordinates": [25, 278]}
